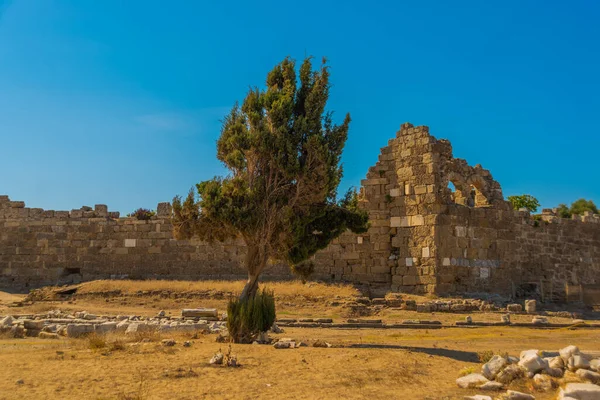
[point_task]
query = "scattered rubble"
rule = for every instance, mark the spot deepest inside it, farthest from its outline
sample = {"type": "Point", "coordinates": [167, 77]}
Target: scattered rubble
{"type": "Point", "coordinates": [545, 369]}
{"type": "Point", "coordinates": [55, 324]}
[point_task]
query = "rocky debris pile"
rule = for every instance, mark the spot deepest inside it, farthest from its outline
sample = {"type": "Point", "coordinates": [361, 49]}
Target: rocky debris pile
{"type": "Point", "coordinates": [227, 359]}
{"type": "Point", "coordinates": [547, 371]}
{"type": "Point", "coordinates": [55, 323]}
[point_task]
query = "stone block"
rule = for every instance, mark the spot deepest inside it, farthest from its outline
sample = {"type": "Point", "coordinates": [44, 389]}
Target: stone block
{"type": "Point", "coordinates": [420, 189]}
{"type": "Point", "coordinates": [396, 192]}
{"type": "Point", "coordinates": [350, 255]}
{"type": "Point", "coordinates": [409, 280]}
{"type": "Point", "coordinates": [399, 222]}
{"type": "Point", "coordinates": [163, 210]}
{"type": "Point", "coordinates": [425, 252]}
{"type": "Point", "coordinates": [76, 214]}
{"type": "Point", "coordinates": [130, 242]}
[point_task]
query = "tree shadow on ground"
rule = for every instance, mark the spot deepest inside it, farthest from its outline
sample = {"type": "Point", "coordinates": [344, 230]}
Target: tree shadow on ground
{"type": "Point", "coordinates": [467, 356]}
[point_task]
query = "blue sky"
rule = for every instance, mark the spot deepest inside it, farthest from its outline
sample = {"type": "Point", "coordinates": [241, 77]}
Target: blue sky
{"type": "Point", "coordinates": [119, 102]}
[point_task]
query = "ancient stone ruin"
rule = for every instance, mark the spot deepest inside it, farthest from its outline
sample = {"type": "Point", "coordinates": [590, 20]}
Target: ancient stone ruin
{"type": "Point", "coordinates": [424, 237]}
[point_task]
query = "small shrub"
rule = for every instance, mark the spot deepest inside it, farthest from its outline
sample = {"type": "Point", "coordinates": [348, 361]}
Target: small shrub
{"type": "Point", "coordinates": [96, 342]}
{"type": "Point", "coordinates": [467, 370]}
{"type": "Point", "coordinates": [246, 319]}
{"type": "Point", "coordinates": [304, 270]}
{"type": "Point", "coordinates": [485, 356]}
{"type": "Point", "coordinates": [117, 345]}
{"type": "Point", "coordinates": [142, 214]}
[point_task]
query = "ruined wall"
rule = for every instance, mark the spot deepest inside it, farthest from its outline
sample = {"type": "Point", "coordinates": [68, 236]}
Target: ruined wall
{"type": "Point", "coordinates": [40, 247]}
{"type": "Point", "coordinates": [424, 237]}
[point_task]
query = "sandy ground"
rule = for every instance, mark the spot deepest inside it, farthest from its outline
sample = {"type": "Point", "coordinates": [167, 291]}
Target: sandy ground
{"type": "Point", "coordinates": [406, 364]}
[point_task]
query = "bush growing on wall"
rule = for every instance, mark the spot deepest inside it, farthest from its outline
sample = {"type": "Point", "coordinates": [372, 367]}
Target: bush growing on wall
{"type": "Point", "coordinates": [142, 214]}
{"type": "Point", "coordinates": [524, 201]}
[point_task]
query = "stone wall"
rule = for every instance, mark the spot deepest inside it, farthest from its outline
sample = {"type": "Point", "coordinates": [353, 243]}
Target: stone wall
{"type": "Point", "coordinates": [424, 237]}
{"type": "Point", "coordinates": [427, 238]}
{"type": "Point", "coordinates": [40, 247]}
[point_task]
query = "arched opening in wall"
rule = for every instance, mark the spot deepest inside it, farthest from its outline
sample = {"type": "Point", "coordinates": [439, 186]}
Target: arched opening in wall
{"type": "Point", "coordinates": [458, 193]}
{"type": "Point", "coordinates": [476, 197]}
{"type": "Point", "coordinates": [452, 189]}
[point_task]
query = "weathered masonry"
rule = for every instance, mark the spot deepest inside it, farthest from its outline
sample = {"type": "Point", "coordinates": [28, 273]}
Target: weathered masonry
{"type": "Point", "coordinates": [424, 237]}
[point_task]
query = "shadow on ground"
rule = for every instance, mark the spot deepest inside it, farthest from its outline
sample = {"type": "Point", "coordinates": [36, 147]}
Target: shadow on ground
{"type": "Point", "coordinates": [467, 356]}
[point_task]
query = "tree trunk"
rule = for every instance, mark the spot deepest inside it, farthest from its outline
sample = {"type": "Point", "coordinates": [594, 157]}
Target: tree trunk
{"type": "Point", "coordinates": [254, 265]}
{"type": "Point", "coordinates": [250, 288]}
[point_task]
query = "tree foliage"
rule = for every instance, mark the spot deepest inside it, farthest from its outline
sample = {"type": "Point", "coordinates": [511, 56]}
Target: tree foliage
{"type": "Point", "coordinates": [143, 214]}
{"type": "Point", "coordinates": [563, 211]}
{"type": "Point", "coordinates": [283, 152]}
{"type": "Point", "coordinates": [247, 318]}
{"type": "Point", "coordinates": [524, 201]}
{"type": "Point", "coordinates": [582, 205]}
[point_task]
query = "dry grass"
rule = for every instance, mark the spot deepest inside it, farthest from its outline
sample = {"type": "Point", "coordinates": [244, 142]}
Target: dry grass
{"type": "Point", "coordinates": [416, 365]}
{"type": "Point", "coordinates": [310, 290]}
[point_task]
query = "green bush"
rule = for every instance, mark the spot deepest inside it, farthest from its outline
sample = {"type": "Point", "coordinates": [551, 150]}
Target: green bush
{"type": "Point", "coordinates": [524, 201]}
{"type": "Point", "coordinates": [142, 214]}
{"type": "Point", "coordinates": [582, 205]}
{"type": "Point", "coordinates": [304, 270]}
{"type": "Point", "coordinates": [246, 319]}
{"type": "Point", "coordinates": [563, 211]}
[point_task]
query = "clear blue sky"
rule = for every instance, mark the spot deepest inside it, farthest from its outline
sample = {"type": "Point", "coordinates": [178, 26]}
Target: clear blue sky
{"type": "Point", "coordinates": [119, 102]}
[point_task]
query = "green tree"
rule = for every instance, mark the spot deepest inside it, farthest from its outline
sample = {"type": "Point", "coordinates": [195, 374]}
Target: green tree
{"type": "Point", "coordinates": [524, 201]}
{"type": "Point", "coordinates": [283, 152]}
{"type": "Point", "coordinates": [582, 205]}
{"type": "Point", "coordinates": [563, 211]}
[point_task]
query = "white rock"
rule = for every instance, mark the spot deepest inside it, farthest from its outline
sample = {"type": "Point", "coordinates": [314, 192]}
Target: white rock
{"type": "Point", "coordinates": [509, 374]}
{"type": "Point", "coordinates": [526, 353]}
{"type": "Point", "coordinates": [567, 352]}
{"type": "Point", "coordinates": [471, 381]}
{"type": "Point", "coordinates": [539, 320]}
{"type": "Point", "coordinates": [106, 327]}
{"type": "Point", "coordinates": [477, 397]}
{"type": "Point", "coordinates": [512, 360]}
{"type": "Point", "coordinates": [555, 372]}
{"type": "Point", "coordinates": [514, 395]}
{"type": "Point", "coordinates": [122, 326]}
{"type": "Point", "coordinates": [284, 345]}
{"type": "Point", "coordinates": [491, 385]}
{"type": "Point", "coordinates": [533, 363]}
{"type": "Point", "coordinates": [217, 359]}
{"type": "Point", "coordinates": [576, 362]}
{"type": "Point", "coordinates": [199, 312]}
{"type": "Point", "coordinates": [77, 330]}
{"type": "Point", "coordinates": [589, 376]}
{"type": "Point", "coordinates": [595, 364]}
{"type": "Point", "coordinates": [542, 383]}
{"type": "Point", "coordinates": [137, 327]}
{"type": "Point", "coordinates": [530, 306]}
{"type": "Point", "coordinates": [492, 367]}
{"type": "Point", "coordinates": [6, 321]}
{"type": "Point", "coordinates": [33, 324]}
{"type": "Point", "coordinates": [556, 362]}
{"type": "Point", "coordinates": [579, 391]}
